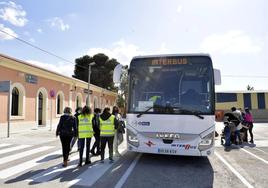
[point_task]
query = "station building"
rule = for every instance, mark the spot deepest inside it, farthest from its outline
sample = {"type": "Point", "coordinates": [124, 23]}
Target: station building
{"type": "Point", "coordinates": [38, 96]}
{"type": "Point", "coordinates": [256, 101]}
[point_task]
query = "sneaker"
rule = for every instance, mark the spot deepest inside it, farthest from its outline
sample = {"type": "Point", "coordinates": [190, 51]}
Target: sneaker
{"type": "Point", "coordinates": [88, 162]}
{"type": "Point", "coordinates": [251, 141]}
{"type": "Point", "coordinates": [102, 161]}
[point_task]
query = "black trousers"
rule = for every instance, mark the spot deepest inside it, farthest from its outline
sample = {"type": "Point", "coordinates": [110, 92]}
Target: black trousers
{"type": "Point", "coordinates": [110, 141]}
{"type": "Point", "coordinates": [65, 142]}
{"type": "Point", "coordinates": [81, 148]}
{"type": "Point", "coordinates": [96, 144]}
{"type": "Point", "coordinates": [250, 130]}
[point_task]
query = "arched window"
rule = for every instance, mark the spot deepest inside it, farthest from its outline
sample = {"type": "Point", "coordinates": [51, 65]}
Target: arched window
{"type": "Point", "coordinates": [95, 102]}
{"type": "Point", "coordinates": [40, 108]}
{"type": "Point", "coordinates": [60, 106]}
{"type": "Point", "coordinates": [87, 100]}
{"type": "Point", "coordinates": [78, 100]}
{"type": "Point", "coordinates": [15, 102]}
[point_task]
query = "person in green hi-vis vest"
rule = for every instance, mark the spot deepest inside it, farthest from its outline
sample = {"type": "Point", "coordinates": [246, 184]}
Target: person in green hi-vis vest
{"type": "Point", "coordinates": [85, 133]}
{"type": "Point", "coordinates": [108, 124]}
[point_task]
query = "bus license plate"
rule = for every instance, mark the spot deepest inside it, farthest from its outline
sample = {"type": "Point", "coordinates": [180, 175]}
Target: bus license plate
{"type": "Point", "coordinates": [168, 151]}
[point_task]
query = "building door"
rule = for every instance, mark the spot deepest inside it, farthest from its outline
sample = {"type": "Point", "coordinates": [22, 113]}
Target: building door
{"type": "Point", "coordinates": [247, 100]}
{"type": "Point", "coordinates": [40, 108]}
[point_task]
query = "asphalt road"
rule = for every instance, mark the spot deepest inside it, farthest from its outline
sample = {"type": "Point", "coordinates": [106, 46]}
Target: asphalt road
{"type": "Point", "coordinates": [33, 160]}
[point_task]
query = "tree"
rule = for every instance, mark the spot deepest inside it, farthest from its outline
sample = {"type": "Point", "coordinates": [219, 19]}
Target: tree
{"type": "Point", "coordinates": [249, 88]}
{"type": "Point", "coordinates": [101, 73]}
{"type": "Point", "coordinates": [123, 89]}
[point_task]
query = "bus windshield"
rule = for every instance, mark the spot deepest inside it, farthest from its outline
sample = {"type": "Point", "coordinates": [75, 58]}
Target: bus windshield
{"type": "Point", "coordinates": [173, 85]}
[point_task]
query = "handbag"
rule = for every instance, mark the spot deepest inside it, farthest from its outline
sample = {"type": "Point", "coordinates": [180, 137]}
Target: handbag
{"type": "Point", "coordinates": [239, 126]}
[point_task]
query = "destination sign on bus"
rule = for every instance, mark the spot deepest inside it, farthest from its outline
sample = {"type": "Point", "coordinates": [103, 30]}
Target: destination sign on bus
{"type": "Point", "coordinates": [180, 61]}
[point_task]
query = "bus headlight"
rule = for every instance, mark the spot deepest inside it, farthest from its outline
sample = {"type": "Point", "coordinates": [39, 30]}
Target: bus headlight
{"type": "Point", "coordinates": [132, 138]}
{"type": "Point", "coordinates": [206, 142]}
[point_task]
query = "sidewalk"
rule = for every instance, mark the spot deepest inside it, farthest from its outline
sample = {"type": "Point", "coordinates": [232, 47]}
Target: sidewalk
{"type": "Point", "coordinates": [24, 135]}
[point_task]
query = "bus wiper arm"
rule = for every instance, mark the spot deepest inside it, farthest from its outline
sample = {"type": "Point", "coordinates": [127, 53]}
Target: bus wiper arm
{"type": "Point", "coordinates": [141, 113]}
{"type": "Point", "coordinates": [193, 112]}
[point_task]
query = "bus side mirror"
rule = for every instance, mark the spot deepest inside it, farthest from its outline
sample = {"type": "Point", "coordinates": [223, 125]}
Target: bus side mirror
{"type": "Point", "coordinates": [117, 74]}
{"type": "Point", "coordinates": [217, 77]}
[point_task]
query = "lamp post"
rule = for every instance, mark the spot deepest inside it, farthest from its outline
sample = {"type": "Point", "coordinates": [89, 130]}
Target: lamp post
{"type": "Point", "coordinates": [88, 86]}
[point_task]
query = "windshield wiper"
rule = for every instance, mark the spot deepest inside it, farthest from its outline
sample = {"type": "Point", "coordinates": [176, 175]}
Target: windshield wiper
{"type": "Point", "coordinates": [192, 112]}
{"type": "Point", "coordinates": [141, 113]}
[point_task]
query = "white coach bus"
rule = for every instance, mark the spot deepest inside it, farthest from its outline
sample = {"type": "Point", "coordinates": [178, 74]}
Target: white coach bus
{"type": "Point", "coordinates": [171, 104]}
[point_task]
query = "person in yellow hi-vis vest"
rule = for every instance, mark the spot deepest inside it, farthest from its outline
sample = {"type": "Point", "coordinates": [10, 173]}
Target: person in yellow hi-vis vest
{"type": "Point", "coordinates": [154, 98]}
{"type": "Point", "coordinates": [85, 133]}
{"type": "Point", "coordinates": [108, 124]}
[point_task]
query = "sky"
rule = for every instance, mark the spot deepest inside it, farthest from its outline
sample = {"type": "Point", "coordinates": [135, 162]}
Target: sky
{"type": "Point", "coordinates": [233, 32]}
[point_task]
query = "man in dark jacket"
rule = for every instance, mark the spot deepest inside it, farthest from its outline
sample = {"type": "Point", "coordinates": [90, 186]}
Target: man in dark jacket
{"type": "Point", "coordinates": [108, 124]}
{"type": "Point", "coordinates": [96, 128]}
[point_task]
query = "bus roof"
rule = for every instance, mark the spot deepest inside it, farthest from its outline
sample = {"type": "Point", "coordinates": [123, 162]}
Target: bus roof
{"type": "Point", "coordinates": [170, 55]}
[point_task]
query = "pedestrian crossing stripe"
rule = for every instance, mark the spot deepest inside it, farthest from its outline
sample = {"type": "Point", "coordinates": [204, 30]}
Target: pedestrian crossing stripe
{"type": "Point", "coordinates": [14, 148]}
{"type": "Point", "coordinates": [6, 173]}
{"type": "Point", "coordinates": [4, 145]}
{"type": "Point", "coordinates": [16, 156]}
{"type": "Point", "coordinates": [53, 171]}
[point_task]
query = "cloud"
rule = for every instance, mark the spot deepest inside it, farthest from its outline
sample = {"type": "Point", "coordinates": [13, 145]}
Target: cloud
{"type": "Point", "coordinates": [32, 40]}
{"type": "Point", "coordinates": [4, 36]}
{"type": "Point", "coordinates": [39, 30]}
{"type": "Point", "coordinates": [120, 50]}
{"type": "Point", "coordinates": [58, 23]}
{"type": "Point", "coordinates": [13, 13]}
{"type": "Point", "coordinates": [234, 41]}
{"type": "Point", "coordinates": [124, 52]}
{"type": "Point", "coordinates": [60, 67]}
{"type": "Point", "coordinates": [179, 9]}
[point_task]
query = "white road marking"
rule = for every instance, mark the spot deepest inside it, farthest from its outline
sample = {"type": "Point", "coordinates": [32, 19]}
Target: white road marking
{"type": "Point", "coordinates": [94, 172]}
{"type": "Point", "coordinates": [23, 154]}
{"type": "Point", "coordinates": [242, 179]}
{"type": "Point", "coordinates": [14, 148]}
{"type": "Point", "coordinates": [259, 136]}
{"type": "Point", "coordinates": [257, 157]}
{"type": "Point", "coordinates": [260, 150]}
{"type": "Point", "coordinates": [123, 179]}
{"type": "Point", "coordinates": [4, 145]}
{"type": "Point", "coordinates": [6, 173]}
{"type": "Point", "coordinates": [52, 172]}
